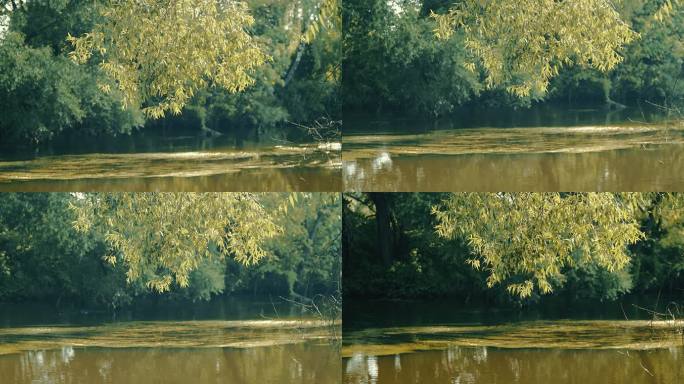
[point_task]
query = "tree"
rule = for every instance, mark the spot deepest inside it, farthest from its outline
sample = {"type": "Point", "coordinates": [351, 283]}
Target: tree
{"type": "Point", "coordinates": [391, 60]}
{"type": "Point", "coordinates": [42, 257]}
{"type": "Point", "coordinates": [525, 240]}
{"type": "Point", "coordinates": [522, 44]}
{"type": "Point", "coordinates": [162, 238]}
{"type": "Point", "coordinates": [303, 260]}
{"type": "Point", "coordinates": [161, 52]}
{"type": "Point", "coordinates": [383, 226]}
{"type": "Point", "coordinates": [659, 262]}
{"type": "Point", "coordinates": [42, 95]}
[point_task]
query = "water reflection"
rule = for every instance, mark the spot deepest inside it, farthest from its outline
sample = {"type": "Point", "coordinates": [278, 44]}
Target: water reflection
{"type": "Point", "coordinates": [226, 340]}
{"type": "Point", "coordinates": [442, 341]}
{"type": "Point", "coordinates": [493, 365]}
{"type": "Point", "coordinates": [301, 363]}
{"type": "Point", "coordinates": [619, 156]}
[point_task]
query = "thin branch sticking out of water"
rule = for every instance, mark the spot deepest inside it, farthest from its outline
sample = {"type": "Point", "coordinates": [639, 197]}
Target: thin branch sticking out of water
{"type": "Point", "coordinates": [326, 308]}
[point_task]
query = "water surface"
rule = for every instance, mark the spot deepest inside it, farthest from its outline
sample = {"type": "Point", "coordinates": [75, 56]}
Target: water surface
{"type": "Point", "coordinates": [235, 340]}
{"type": "Point", "coordinates": [155, 161]}
{"type": "Point", "coordinates": [612, 342]}
{"type": "Point", "coordinates": [543, 149]}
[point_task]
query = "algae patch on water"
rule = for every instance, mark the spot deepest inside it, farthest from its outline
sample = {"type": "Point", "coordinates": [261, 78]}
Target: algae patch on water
{"type": "Point", "coordinates": [537, 140]}
{"type": "Point", "coordinates": [165, 334]}
{"type": "Point", "coordinates": [167, 164]}
{"type": "Point", "coordinates": [570, 334]}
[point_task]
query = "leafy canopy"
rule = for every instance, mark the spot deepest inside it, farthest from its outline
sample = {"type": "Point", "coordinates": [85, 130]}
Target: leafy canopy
{"type": "Point", "coordinates": [527, 239]}
{"type": "Point", "coordinates": [522, 44]}
{"type": "Point", "coordinates": [163, 237]}
{"type": "Point", "coordinates": [161, 52]}
{"type": "Point", "coordinates": [328, 16]}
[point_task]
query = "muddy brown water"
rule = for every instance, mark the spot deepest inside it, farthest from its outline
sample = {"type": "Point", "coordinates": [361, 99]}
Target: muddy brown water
{"type": "Point", "coordinates": [149, 161]}
{"type": "Point", "coordinates": [549, 150]}
{"type": "Point", "coordinates": [439, 342]}
{"type": "Point", "coordinates": [235, 341]}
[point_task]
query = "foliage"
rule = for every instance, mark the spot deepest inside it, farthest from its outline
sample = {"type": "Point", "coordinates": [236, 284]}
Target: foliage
{"type": "Point", "coordinates": [41, 95]}
{"type": "Point", "coordinates": [45, 258]}
{"type": "Point", "coordinates": [272, 100]}
{"type": "Point", "coordinates": [424, 264]}
{"type": "Point", "coordinates": [522, 44]}
{"type": "Point", "coordinates": [235, 65]}
{"type": "Point", "coordinates": [595, 246]}
{"type": "Point", "coordinates": [163, 237]}
{"type": "Point", "coordinates": [530, 237]}
{"type": "Point", "coordinates": [391, 61]}
{"type": "Point", "coordinates": [651, 70]}
{"type": "Point", "coordinates": [508, 52]}
{"type": "Point", "coordinates": [162, 52]}
{"type": "Point", "coordinates": [590, 281]}
{"type": "Point", "coordinates": [294, 238]}
{"type": "Point", "coordinates": [658, 261]}
{"type": "Point", "coordinates": [328, 17]}
{"type": "Point", "coordinates": [305, 258]}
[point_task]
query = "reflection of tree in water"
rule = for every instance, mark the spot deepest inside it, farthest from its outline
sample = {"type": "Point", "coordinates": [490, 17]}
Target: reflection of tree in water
{"type": "Point", "coordinates": [649, 168]}
{"type": "Point", "coordinates": [490, 365]}
{"type": "Point", "coordinates": [305, 363]}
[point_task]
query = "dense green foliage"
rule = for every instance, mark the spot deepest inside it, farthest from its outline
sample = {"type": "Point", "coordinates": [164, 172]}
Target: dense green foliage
{"type": "Point", "coordinates": [427, 57]}
{"type": "Point", "coordinates": [393, 61]}
{"type": "Point", "coordinates": [254, 64]}
{"type": "Point", "coordinates": [299, 83]}
{"type": "Point", "coordinates": [306, 258]}
{"type": "Point", "coordinates": [110, 249]}
{"type": "Point", "coordinates": [512, 246]}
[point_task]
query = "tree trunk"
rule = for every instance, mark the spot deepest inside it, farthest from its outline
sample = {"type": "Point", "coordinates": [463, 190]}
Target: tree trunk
{"type": "Point", "coordinates": [610, 103]}
{"type": "Point", "coordinates": [383, 227]}
{"type": "Point", "coordinates": [295, 63]}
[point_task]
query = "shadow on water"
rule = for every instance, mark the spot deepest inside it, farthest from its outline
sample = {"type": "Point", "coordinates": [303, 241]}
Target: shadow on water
{"type": "Point", "coordinates": [541, 150]}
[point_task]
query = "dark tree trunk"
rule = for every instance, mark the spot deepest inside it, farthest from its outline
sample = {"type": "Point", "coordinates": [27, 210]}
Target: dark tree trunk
{"type": "Point", "coordinates": [383, 225]}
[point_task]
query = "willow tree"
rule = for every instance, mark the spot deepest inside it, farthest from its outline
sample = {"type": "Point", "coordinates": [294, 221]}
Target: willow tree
{"type": "Point", "coordinates": [161, 52]}
{"type": "Point", "coordinates": [526, 240]}
{"type": "Point", "coordinates": [162, 237]}
{"type": "Point", "coordinates": [522, 44]}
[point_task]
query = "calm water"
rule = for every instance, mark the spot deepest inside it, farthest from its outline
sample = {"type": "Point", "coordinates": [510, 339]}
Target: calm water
{"type": "Point", "coordinates": [234, 341]}
{"type": "Point", "coordinates": [153, 161]}
{"type": "Point", "coordinates": [439, 342]}
{"type": "Point", "coordinates": [544, 149]}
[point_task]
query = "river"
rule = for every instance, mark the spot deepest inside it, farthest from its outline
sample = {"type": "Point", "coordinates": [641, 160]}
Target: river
{"type": "Point", "coordinates": [154, 160]}
{"type": "Point", "coordinates": [442, 342]}
{"type": "Point", "coordinates": [541, 149]}
{"type": "Point", "coordinates": [226, 340]}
